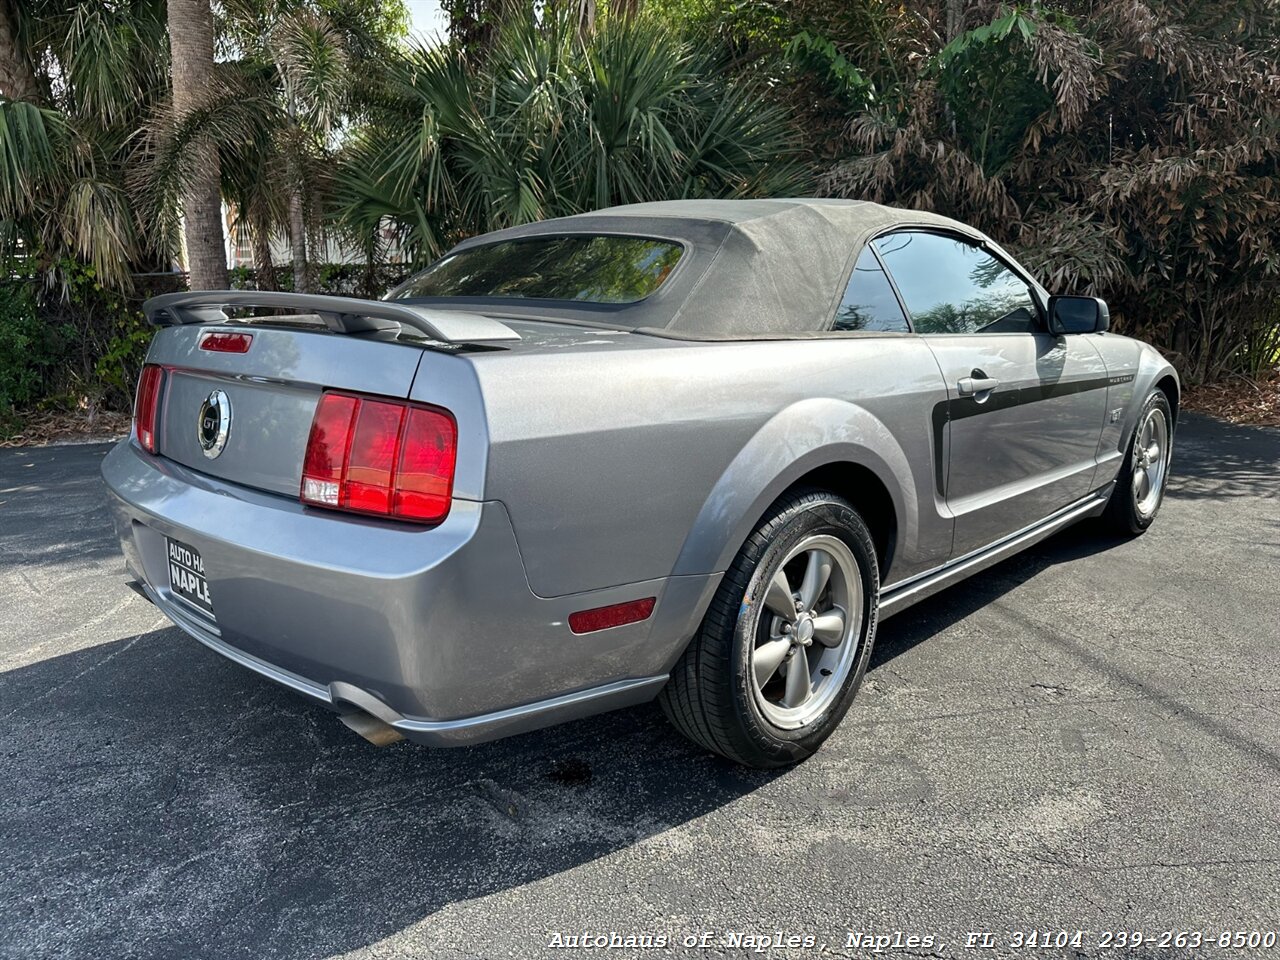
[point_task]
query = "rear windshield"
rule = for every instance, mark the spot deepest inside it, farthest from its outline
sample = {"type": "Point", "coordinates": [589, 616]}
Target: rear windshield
{"type": "Point", "coordinates": [590, 268]}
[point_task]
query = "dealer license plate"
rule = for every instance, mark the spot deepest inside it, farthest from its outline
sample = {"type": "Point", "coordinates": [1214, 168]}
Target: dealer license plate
{"type": "Point", "coordinates": [186, 575]}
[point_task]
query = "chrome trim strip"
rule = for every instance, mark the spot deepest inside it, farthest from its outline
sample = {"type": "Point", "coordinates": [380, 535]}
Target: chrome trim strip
{"type": "Point", "coordinates": [902, 595]}
{"type": "Point", "coordinates": [574, 702]}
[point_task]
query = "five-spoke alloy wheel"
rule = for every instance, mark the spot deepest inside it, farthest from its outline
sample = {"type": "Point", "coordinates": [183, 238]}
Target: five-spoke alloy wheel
{"type": "Point", "coordinates": [1150, 461]}
{"type": "Point", "coordinates": [1140, 486]}
{"type": "Point", "coordinates": [807, 638]}
{"type": "Point", "coordinates": [786, 640]}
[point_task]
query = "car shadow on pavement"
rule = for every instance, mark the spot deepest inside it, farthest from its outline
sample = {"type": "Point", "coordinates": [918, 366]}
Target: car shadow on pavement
{"type": "Point", "coordinates": [1212, 460]}
{"type": "Point", "coordinates": [918, 623]}
{"type": "Point", "coordinates": [165, 802]}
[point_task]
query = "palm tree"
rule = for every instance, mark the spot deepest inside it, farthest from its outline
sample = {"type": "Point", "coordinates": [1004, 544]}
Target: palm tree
{"type": "Point", "coordinates": [76, 81]}
{"type": "Point", "coordinates": [192, 69]}
{"type": "Point", "coordinates": [284, 93]}
{"type": "Point", "coordinates": [551, 123]}
{"type": "Point", "coordinates": [17, 78]}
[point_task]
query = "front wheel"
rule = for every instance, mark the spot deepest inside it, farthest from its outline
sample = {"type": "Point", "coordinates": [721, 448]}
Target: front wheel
{"type": "Point", "coordinates": [786, 640]}
{"type": "Point", "coordinates": [1140, 487]}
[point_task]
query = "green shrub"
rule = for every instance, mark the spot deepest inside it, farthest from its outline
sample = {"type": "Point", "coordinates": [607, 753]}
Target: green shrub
{"type": "Point", "coordinates": [30, 348]}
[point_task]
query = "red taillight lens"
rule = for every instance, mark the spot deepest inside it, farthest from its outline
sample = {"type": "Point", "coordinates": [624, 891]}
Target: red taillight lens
{"type": "Point", "coordinates": [146, 408]}
{"type": "Point", "coordinates": [382, 457]}
{"type": "Point", "coordinates": [226, 342]}
{"type": "Point", "coordinates": [424, 473]}
{"type": "Point", "coordinates": [602, 618]}
{"type": "Point", "coordinates": [326, 458]}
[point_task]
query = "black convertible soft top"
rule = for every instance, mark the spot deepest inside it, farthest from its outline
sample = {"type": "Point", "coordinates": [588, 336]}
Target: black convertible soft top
{"type": "Point", "coordinates": [752, 269]}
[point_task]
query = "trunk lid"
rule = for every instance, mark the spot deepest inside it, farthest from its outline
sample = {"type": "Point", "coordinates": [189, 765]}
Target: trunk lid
{"type": "Point", "coordinates": [270, 391]}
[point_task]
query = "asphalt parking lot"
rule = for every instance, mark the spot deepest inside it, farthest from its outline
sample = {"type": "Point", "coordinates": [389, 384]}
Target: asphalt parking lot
{"type": "Point", "coordinates": [1086, 737]}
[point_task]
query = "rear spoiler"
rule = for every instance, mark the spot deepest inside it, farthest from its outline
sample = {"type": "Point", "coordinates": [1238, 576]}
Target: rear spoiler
{"type": "Point", "coordinates": [341, 314]}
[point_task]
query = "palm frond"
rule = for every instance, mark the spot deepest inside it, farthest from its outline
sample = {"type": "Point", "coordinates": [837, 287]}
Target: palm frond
{"type": "Point", "coordinates": [32, 140]}
{"type": "Point", "coordinates": [551, 123]}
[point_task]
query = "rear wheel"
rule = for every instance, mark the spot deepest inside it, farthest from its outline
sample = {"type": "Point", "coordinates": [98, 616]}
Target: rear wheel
{"type": "Point", "coordinates": [785, 643]}
{"type": "Point", "coordinates": [1139, 489]}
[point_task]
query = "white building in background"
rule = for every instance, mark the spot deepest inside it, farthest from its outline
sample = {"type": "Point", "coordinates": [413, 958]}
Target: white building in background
{"type": "Point", "coordinates": [239, 247]}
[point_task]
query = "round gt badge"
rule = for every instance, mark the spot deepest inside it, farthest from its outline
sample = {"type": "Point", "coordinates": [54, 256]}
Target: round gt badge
{"type": "Point", "coordinates": [214, 424]}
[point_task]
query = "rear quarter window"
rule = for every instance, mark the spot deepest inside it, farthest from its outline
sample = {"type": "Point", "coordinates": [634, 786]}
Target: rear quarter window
{"type": "Point", "coordinates": [869, 303]}
{"type": "Point", "coordinates": [594, 268]}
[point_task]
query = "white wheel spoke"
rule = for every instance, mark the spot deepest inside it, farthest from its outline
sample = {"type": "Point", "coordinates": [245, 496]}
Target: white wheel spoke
{"type": "Point", "coordinates": [828, 629]}
{"type": "Point", "coordinates": [1141, 484]}
{"type": "Point", "coordinates": [816, 574]}
{"type": "Point", "coordinates": [778, 598]}
{"type": "Point", "coordinates": [799, 683]}
{"type": "Point", "coordinates": [767, 657]}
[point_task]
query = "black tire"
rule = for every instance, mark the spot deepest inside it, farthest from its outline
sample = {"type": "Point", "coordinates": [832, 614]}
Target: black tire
{"type": "Point", "coordinates": [710, 695]}
{"type": "Point", "coordinates": [1122, 514]}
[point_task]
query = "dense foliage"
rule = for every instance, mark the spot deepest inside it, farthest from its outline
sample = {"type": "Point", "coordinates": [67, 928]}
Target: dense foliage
{"type": "Point", "coordinates": [551, 123]}
{"type": "Point", "coordinates": [1123, 148]}
{"type": "Point", "coordinates": [82, 79]}
{"type": "Point", "coordinates": [1128, 148]}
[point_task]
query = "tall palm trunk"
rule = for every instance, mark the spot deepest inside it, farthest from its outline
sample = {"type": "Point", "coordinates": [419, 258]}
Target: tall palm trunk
{"type": "Point", "coordinates": [191, 67]}
{"type": "Point", "coordinates": [298, 241]}
{"type": "Point", "coordinates": [17, 79]}
{"type": "Point", "coordinates": [264, 270]}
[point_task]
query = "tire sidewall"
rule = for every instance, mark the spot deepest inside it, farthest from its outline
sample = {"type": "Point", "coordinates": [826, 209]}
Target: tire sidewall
{"type": "Point", "coordinates": [834, 517]}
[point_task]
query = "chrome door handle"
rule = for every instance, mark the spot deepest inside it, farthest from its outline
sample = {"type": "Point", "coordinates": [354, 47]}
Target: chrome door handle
{"type": "Point", "coordinates": [972, 386]}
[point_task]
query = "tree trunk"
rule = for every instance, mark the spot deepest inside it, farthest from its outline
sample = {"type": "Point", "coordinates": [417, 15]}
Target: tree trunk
{"type": "Point", "coordinates": [955, 19]}
{"type": "Point", "coordinates": [263, 269]}
{"type": "Point", "coordinates": [17, 79]}
{"type": "Point", "coordinates": [626, 9]}
{"type": "Point", "coordinates": [298, 241]}
{"type": "Point", "coordinates": [191, 67]}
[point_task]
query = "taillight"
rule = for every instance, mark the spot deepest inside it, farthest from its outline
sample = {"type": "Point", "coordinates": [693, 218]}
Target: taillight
{"type": "Point", "coordinates": [382, 457]}
{"type": "Point", "coordinates": [226, 342]}
{"type": "Point", "coordinates": [146, 408]}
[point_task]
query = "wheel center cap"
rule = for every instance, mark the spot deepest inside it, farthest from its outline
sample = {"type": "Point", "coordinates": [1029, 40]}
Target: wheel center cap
{"type": "Point", "coordinates": [804, 629]}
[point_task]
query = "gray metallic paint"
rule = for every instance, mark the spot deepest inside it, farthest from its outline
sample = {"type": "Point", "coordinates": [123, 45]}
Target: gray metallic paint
{"type": "Point", "coordinates": [594, 467]}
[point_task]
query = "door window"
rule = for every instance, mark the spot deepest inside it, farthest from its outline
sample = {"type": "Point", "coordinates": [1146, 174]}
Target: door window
{"type": "Point", "coordinates": [953, 286]}
{"type": "Point", "coordinates": [869, 302]}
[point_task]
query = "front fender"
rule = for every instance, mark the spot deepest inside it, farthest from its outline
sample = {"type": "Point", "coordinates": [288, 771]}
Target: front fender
{"type": "Point", "coordinates": [1151, 367]}
{"type": "Point", "coordinates": [799, 439]}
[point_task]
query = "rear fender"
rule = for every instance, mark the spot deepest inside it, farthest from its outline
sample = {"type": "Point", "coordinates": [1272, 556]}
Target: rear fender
{"type": "Point", "coordinates": [799, 439]}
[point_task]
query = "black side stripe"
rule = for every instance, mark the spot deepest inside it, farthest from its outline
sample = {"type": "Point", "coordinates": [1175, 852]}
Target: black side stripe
{"type": "Point", "coordinates": [961, 408]}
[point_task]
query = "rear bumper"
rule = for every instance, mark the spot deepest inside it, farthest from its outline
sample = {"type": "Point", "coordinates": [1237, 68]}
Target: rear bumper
{"type": "Point", "coordinates": [434, 631]}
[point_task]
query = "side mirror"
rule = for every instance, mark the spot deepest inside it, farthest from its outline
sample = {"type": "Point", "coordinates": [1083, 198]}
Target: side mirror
{"type": "Point", "coordinates": [1078, 315]}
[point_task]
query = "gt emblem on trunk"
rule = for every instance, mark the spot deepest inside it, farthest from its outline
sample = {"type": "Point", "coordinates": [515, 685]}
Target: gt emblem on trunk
{"type": "Point", "coordinates": [214, 423]}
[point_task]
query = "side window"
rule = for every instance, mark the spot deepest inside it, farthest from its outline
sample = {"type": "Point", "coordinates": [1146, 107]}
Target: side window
{"type": "Point", "coordinates": [869, 302]}
{"type": "Point", "coordinates": [953, 286]}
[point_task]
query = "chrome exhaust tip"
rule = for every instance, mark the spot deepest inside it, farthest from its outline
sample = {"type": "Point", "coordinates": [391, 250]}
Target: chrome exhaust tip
{"type": "Point", "coordinates": [365, 714]}
{"type": "Point", "coordinates": [377, 732]}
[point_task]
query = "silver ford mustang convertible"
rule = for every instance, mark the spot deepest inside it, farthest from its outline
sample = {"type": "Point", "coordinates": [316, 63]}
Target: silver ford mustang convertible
{"type": "Point", "coordinates": [688, 450]}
